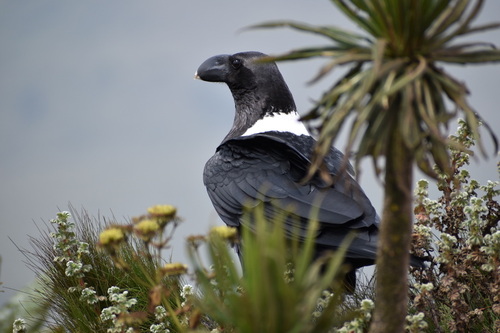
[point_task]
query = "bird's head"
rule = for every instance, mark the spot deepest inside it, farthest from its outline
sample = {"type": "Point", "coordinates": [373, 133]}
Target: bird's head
{"type": "Point", "coordinates": [252, 82]}
{"type": "Point", "coordinates": [238, 70]}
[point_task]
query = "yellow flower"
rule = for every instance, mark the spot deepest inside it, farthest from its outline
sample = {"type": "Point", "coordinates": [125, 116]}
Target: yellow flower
{"type": "Point", "coordinates": [196, 240]}
{"type": "Point", "coordinates": [224, 232]}
{"type": "Point", "coordinates": [175, 268]}
{"type": "Point", "coordinates": [162, 211]}
{"type": "Point", "coordinates": [146, 229]}
{"type": "Point", "coordinates": [111, 236]}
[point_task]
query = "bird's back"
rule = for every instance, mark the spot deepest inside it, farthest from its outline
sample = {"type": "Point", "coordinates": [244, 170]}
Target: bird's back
{"type": "Point", "coordinates": [268, 169]}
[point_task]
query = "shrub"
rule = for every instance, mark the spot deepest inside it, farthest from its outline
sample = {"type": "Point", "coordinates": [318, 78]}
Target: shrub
{"type": "Point", "coordinates": [460, 234]}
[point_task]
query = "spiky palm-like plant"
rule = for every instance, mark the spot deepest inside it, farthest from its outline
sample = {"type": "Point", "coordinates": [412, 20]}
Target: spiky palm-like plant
{"type": "Point", "coordinates": [400, 102]}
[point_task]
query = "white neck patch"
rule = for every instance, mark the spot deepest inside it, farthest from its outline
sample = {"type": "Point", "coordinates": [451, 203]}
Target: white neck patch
{"type": "Point", "coordinates": [281, 122]}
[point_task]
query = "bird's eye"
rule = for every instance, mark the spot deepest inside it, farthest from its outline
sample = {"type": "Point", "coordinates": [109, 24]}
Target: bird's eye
{"type": "Point", "coordinates": [236, 63]}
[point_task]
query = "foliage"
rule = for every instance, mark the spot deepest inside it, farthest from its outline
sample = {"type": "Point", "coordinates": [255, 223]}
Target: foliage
{"type": "Point", "coordinates": [93, 286]}
{"type": "Point", "coordinates": [282, 288]}
{"type": "Point", "coordinates": [394, 76]}
{"type": "Point", "coordinates": [460, 234]}
{"type": "Point", "coordinates": [106, 277]}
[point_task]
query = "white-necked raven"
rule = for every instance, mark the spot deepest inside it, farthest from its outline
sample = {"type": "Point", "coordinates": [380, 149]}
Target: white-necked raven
{"type": "Point", "coordinates": [266, 155]}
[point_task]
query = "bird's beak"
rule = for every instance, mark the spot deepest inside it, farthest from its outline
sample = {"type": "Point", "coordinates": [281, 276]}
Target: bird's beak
{"type": "Point", "coordinates": [213, 69]}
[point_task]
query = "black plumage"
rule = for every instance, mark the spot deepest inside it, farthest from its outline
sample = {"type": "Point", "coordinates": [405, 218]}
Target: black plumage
{"type": "Point", "coordinates": [253, 167]}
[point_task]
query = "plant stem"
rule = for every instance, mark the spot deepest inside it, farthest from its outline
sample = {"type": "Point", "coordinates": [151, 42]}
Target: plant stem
{"type": "Point", "coordinates": [395, 235]}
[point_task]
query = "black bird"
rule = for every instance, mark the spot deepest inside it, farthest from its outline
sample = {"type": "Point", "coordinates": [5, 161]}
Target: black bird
{"type": "Point", "coordinates": [266, 155]}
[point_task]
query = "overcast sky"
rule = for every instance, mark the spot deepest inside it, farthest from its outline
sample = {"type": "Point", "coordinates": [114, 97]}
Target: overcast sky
{"type": "Point", "coordinates": [98, 106]}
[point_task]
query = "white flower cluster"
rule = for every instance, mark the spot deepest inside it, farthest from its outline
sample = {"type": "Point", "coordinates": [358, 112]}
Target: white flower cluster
{"type": "Point", "coordinates": [76, 269]}
{"type": "Point", "coordinates": [426, 233]}
{"type": "Point", "coordinates": [424, 287]}
{"type": "Point", "coordinates": [89, 295]}
{"type": "Point", "coordinates": [492, 248]}
{"type": "Point", "coordinates": [186, 291]}
{"type": "Point", "coordinates": [161, 326]}
{"type": "Point", "coordinates": [446, 247]}
{"type": "Point", "coordinates": [358, 325]}
{"type": "Point", "coordinates": [160, 313]}
{"type": "Point", "coordinates": [476, 224]}
{"type": "Point", "coordinates": [322, 303]}
{"type": "Point", "coordinates": [416, 323]}
{"type": "Point", "coordinates": [19, 326]}
{"type": "Point", "coordinates": [121, 304]}
{"type": "Point", "coordinates": [69, 249]}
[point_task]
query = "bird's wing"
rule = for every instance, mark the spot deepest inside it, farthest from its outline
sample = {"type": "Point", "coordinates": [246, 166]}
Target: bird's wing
{"type": "Point", "coordinates": [268, 169]}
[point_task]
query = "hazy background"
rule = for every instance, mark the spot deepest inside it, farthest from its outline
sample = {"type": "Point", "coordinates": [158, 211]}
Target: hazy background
{"type": "Point", "coordinates": [98, 106]}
